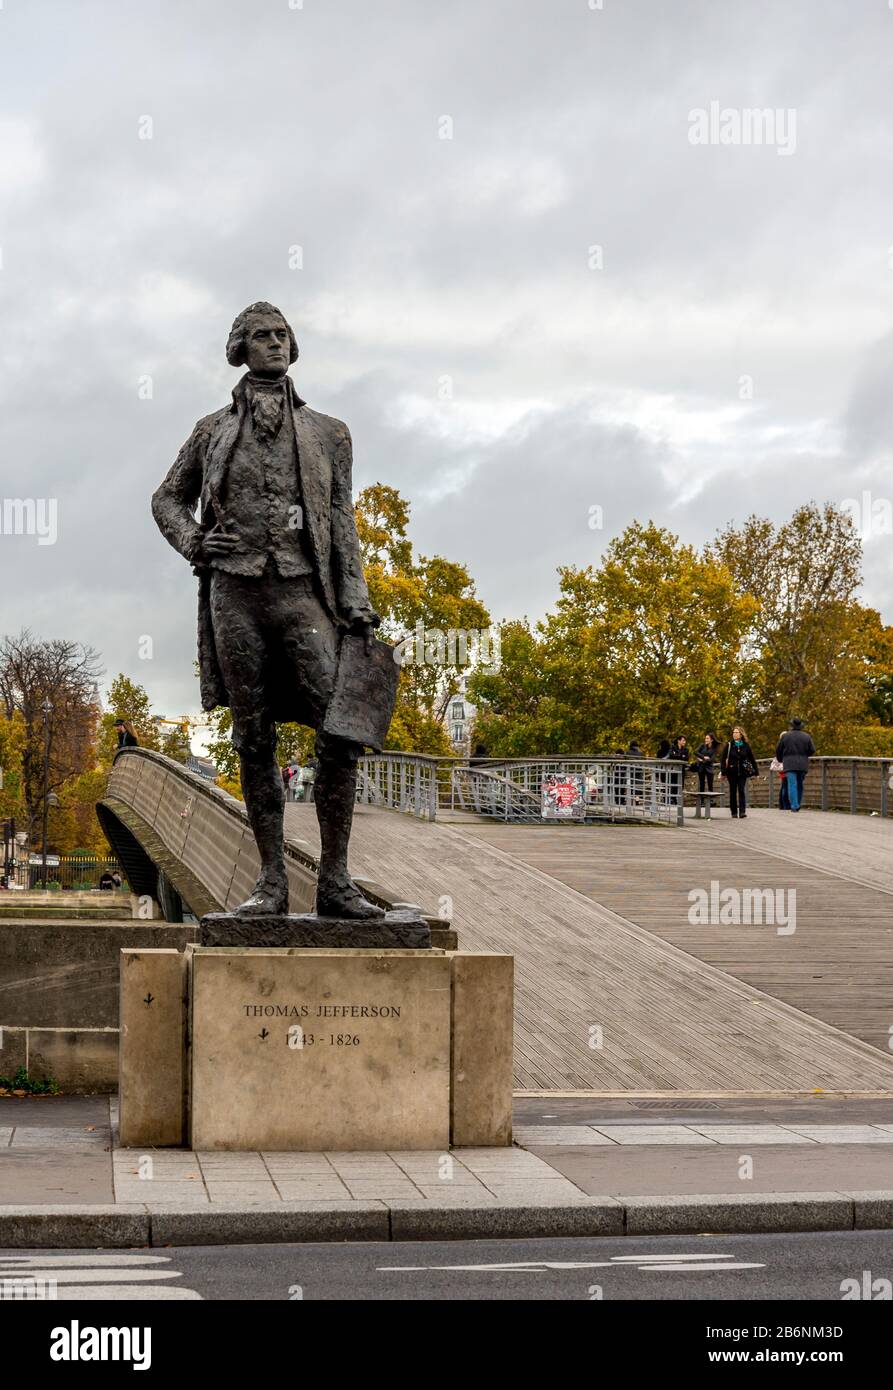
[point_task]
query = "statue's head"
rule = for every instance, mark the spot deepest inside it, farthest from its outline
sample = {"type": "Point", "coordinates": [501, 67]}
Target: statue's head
{"type": "Point", "coordinates": [262, 340]}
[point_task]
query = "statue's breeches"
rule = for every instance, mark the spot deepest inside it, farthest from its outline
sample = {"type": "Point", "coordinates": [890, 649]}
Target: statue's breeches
{"type": "Point", "coordinates": [278, 649]}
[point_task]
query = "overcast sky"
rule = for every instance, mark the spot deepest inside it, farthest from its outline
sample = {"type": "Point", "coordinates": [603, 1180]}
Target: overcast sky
{"type": "Point", "coordinates": [434, 265]}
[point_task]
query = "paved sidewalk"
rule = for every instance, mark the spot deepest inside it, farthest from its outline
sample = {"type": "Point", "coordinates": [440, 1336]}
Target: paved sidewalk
{"type": "Point", "coordinates": [578, 1167]}
{"type": "Point", "coordinates": [464, 1176]}
{"type": "Point", "coordinates": [55, 1149]}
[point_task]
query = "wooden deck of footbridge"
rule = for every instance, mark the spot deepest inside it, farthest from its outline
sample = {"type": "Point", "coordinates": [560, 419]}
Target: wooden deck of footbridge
{"type": "Point", "coordinates": [617, 989]}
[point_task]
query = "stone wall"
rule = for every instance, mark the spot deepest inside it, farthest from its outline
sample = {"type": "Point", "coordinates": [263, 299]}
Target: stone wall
{"type": "Point", "coordinates": [59, 996]}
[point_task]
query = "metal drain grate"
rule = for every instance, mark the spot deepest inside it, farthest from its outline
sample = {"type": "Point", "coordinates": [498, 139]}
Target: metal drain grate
{"type": "Point", "coordinates": [675, 1105]}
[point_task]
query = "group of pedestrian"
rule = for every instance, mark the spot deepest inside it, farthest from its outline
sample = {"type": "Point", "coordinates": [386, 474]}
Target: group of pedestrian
{"type": "Point", "coordinates": [734, 759]}
{"type": "Point", "coordinates": [298, 779]}
{"type": "Point", "coordinates": [736, 763]}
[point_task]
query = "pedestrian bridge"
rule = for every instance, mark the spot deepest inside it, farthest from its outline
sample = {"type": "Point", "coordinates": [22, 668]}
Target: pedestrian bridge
{"type": "Point", "coordinates": [651, 955]}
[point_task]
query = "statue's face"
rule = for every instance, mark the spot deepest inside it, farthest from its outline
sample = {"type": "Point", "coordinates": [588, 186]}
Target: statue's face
{"type": "Point", "coordinates": [267, 345]}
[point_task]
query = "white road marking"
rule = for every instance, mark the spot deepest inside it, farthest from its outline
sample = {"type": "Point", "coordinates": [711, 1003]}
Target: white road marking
{"type": "Point", "coordinates": [88, 1277]}
{"type": "Point", "coordinates": [664, 1263]}
{"type": "Point", "coordinates": [662, 1259]}
{"type": "Point", "coordinates": [681, 1269]}
{"type": "Point", "coordinates": [79, 1261]}
{"type": "Point", "coordinates": [124, 1293]}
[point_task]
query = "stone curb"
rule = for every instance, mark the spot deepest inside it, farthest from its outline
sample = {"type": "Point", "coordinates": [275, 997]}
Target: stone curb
{"type": "Point", "coordinates": [873, 1210]}
{"type": "Point", "coordinates": [421, 1220]}
{"type": "Point", "coordinates": [279, 1223]}
{"type": "Point", "coordinates": [59, 1227]}
{"type": "Point", "coordinates": [740, 1213]}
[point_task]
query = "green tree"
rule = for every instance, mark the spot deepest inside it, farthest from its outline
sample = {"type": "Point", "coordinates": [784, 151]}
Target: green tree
{"type": "Point", "coordinates": [51, 685]}
{"type": "Point", "coordinates": [419, 598]}
{"type": "Point", "coordinates": [12, 748]}
{"type": "Point", "coordinates": [517, 715]}
{"type": "Point", "coordinates": [646, 645]}
{"type": "Point", "coordinates": [879, 678]}
{"type": "Point", "coordinates": [812, 643]}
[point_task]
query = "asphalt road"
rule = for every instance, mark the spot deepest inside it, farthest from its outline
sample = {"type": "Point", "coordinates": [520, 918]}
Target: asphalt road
{"type": "Point", "coordinates": [666, 1268]}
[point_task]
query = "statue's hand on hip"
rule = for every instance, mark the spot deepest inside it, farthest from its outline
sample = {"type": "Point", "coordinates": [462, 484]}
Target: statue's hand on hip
{"type": "Point", "coordinates": [219, 542]}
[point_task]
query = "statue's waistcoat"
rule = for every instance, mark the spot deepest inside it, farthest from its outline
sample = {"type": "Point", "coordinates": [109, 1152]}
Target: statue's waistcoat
{"type": "Point", "coordinates": [314, 475]}
{"type": "Point", "coordinates": [261, 500]}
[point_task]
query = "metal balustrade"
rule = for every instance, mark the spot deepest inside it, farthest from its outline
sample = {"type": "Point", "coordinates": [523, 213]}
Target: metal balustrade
{"type": "Point", "coordinates": [856, 785]}
{"type": "Point", "coordinates": [400, 781]}
{"type": "Point", "coordinates": [614, 789]}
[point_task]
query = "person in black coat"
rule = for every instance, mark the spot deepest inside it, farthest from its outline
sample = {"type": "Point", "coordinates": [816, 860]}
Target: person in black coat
{"type": "Point", "coordinates": [678, 750]}
{"type": "Point", "coordinates": [678, 754]}
{"type": "Point", "coordinates": [736, 764]}
{"type": "Point", "coordinates": [126, 736]}
{"type": "Point", "coordinates": [705, 757]}
{"type": "Point", "coordinates": [795, 748]}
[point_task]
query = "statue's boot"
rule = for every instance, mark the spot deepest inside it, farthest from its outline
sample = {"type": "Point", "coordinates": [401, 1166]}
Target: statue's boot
{"type": "Point", "coordinates": [264, 799]}
{"type": "Point", "coordinates": [268, 897]}
{"type": "Point", "coordinates": [335, 794]}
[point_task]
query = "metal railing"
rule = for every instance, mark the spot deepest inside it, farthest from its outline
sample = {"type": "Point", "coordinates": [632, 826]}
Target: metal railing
{"type": "Point", "coordinates": [488, 794]}
{"type": "Point", "coordinates": [856, 785]}
{"type": "Point", "coordinates": [65, 872]}
{"type": "Point", "coordinates": [400, 781]}
{"type": "Point", "coordinates": [835, 783]}
{"type": "Point", "coordinates": [614, 789]}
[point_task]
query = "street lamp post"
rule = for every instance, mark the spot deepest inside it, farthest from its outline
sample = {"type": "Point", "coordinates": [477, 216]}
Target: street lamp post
{"type": "Point", "coordinates": [47, 711]}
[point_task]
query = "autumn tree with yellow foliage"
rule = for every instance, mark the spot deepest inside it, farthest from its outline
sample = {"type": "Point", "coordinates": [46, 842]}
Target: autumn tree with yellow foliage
{"type": "Point", "coordinates": [645, 646]}
{"type": "Point", "coordinates": [413, 594]}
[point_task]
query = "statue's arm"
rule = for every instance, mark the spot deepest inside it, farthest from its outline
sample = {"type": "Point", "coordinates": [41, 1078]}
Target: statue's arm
{"type": "Point", "coordinates": [174, 503]}
{"type": "Point", "coordinates": [350, 583]}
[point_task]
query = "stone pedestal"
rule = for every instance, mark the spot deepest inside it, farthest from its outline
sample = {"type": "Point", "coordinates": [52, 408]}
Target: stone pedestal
{"type": "Point", "coordinates": [481, 1057]}
{"type": "Point", "coordinates": [312, 1049]}
{"type": "Point", "coordinates": [151, 1060]}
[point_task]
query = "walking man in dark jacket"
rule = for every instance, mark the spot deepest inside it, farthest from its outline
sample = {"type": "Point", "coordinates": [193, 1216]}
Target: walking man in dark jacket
{"type": "Point", "coordinates": [795, 748]}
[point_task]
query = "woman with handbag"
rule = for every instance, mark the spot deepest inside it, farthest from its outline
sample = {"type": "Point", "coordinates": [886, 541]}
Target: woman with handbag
{"type": "Point", "coordinates": [736, 765]}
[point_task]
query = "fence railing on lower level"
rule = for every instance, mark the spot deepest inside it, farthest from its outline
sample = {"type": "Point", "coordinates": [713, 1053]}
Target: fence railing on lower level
{"type": "Point", "coordinates": [64, 872]}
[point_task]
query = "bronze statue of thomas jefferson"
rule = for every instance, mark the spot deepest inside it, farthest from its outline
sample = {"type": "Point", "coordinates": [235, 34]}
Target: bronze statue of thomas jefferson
{"type": "Point", "coordinates": [281, 581]}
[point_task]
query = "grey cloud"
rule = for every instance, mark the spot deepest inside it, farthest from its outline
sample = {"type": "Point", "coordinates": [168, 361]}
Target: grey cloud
{"type": "Point", "coordinates": [426, 258]}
